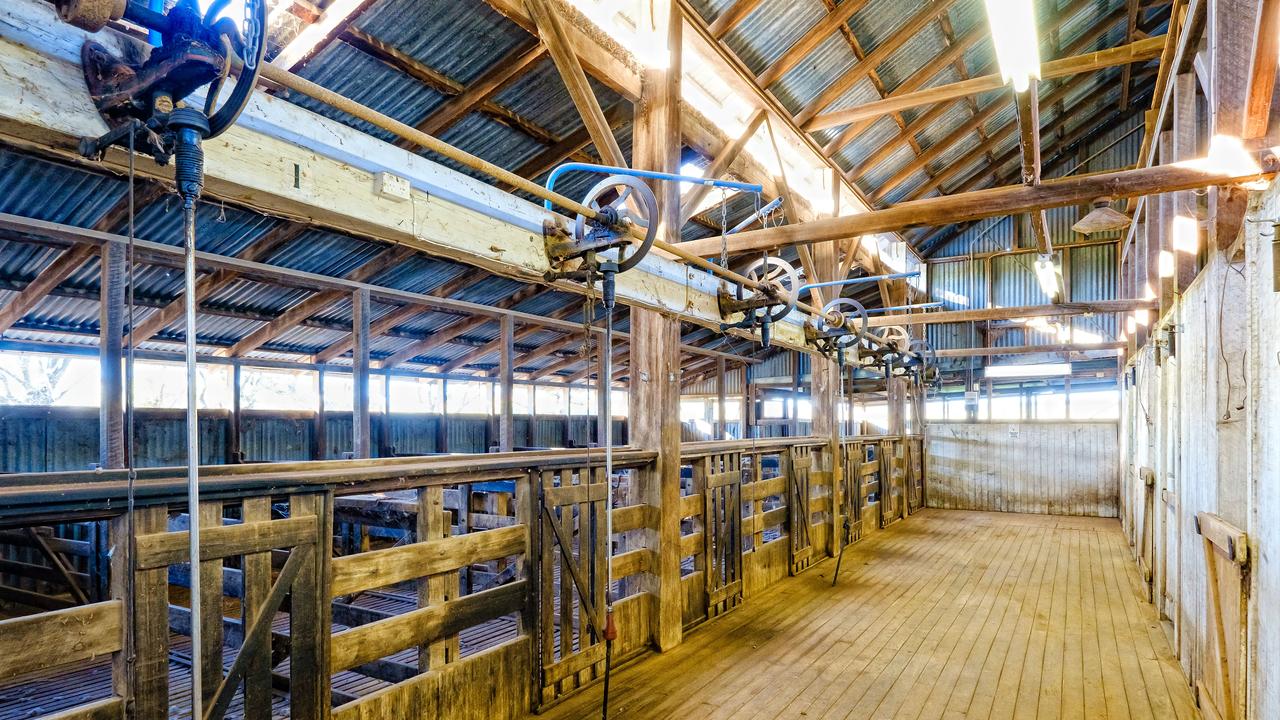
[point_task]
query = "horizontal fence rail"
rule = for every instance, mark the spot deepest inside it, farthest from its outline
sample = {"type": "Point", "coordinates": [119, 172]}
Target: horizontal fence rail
{"type": "Point", "coordinates": [423, 586]}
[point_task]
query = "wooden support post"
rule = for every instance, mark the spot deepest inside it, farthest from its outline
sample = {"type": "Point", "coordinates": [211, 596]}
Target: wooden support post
{"type": "Point", "coordinates": [442, 427]}
{"type": "Point", "coordinates": [655, 425]}
{"type": "Point", "coordinates": [111, 430]}
{"type": "Point", "coordinates": [151, 624]}
{"type": "Point", "coordinates": [360, 440]}
{"type": "Point", "coordinates": [720, 415]}
{"type": "Point", "coordinates": [257, 586]}
{"type": "Point", "coordinates": [309, 615]}
{"type": "Point", "coordinates": [793, 402]}
{"type": "Point", "coordinates": [234, 452]}
{"type": "Point", "coordinates": [1185, 130]}
{"type": "Point", "coordinates": [210, 611]}
{"type": "Point", "coordinates": [1162, 209]}
{"type": "Point", "coordinates": [320, 448]}
{"type": "Point", "coordinates": [655, 338]}
{"type": "Point", "coordinates": [825, 384]}
{"type": "Point", "coordinates": [433, 524]}
{"type": "Point", "coordinates": [506, 373]}
{"type": "Point", "coordinates": [1231, 27]}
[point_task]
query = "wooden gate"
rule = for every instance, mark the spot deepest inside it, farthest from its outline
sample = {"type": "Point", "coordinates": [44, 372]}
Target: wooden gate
{"type": "Point", "coordinates": [252, 538]}
{"type": "Point", "coordinates": [571, 579]}
{"type": "Point", "coordinates": [893, 500]}
{"type": "Point", "coordinates": [914, 465]}
{"type": "Point", "coordinates": [799, 465]}
{"type": "Point", "coordinates": [722, 532]}
{"type": "Point", "coordinates": [1223, 682]}
{"type": "Point", "coordinates": [851, 491]}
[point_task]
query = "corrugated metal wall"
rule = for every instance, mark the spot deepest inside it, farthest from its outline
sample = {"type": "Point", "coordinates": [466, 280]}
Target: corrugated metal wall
{"type": "Point", "coordinates": [51, 440]}
{"type": "Point", "coordinates": [1053, 468]}
{"type": "Point", "coordinates": [733, 384]}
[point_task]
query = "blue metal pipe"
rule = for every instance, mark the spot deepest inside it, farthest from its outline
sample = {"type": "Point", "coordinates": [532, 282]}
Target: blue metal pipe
{"type": "Point", "coordinates": [879, 311]}
{"type": "Point", "coordinates": [153, 36]}
{"type": "Point", "coordinates": [648, 174]}
{"type": "Point", "coordinates": [854, 281]}
{"type": "Point", "coordinates": [762, 212]}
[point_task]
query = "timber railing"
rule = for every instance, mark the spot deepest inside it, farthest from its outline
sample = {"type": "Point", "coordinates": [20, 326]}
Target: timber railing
{"type": "Point", "coordinates": [404, 586]}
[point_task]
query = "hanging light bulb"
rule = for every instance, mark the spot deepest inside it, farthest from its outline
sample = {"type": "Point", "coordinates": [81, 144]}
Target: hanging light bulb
{"type": "Point", "coordinates": [1017, 44]}
{"type": "Point", "coordinates": [1142, 317]}
{"type": "Point", "coordinates": [1165, 264]}
{"type": "Point", "coordinates": [1130, 326]}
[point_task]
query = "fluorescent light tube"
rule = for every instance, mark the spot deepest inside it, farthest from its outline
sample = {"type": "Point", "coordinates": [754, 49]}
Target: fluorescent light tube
{"type": "Point", "coordinates": [1017, 44]}
{"type": "Point", "coordinates": [1028, 370]}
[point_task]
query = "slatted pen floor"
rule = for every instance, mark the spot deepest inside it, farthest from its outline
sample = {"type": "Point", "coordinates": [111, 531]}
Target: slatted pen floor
{"type": "Point", "coordinates": [950, 614]}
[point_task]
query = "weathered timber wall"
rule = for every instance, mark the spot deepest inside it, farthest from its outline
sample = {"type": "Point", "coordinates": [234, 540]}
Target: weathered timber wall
{"type": "Point", "coordinates": [1053, 468]}
{"type": "Point", "coordinates": [1200, 421]}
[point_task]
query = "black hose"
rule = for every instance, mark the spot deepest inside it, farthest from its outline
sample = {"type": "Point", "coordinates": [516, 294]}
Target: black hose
{"type": "Point", "coordinates": [608, 670]}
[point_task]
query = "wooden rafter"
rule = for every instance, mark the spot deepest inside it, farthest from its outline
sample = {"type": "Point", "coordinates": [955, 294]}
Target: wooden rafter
{"type": "Point", "coordinates": [719, 166]}
{"type": "Point", "coordinates": [315, 37]}
{"type": "Point", "coordinates": [313, 304]}
{"type": "Point", "coordinates": [732, 15]}
{"type": "Point", "coordinates": [1100, 120]}
{"type": "Point", "coordinates": [456, 329]}
{"type": "Point", "coordinates": [209, 284]}
{"type": "Point", "coordinates": [841, 85]}
{"type": "Point", "coordinates": [1140, 51]}
{"type": "Point", "coordinates": [554, 36]}
{"type": "Point", "coordinates": [1010, 313]}
{"type": "Point", "coordinates": [569, 146]}
{"type": "Point", "coordinates": [502, 73]}
{"type": "Point", "coordinates": [410, 66]}
{"type": "Point", "coordinates": [63, 266]}
{"type": "Point", "coordinates": [930, 117]}
{"type": "Point", "coordinates": [994, 140]}
{"type": "Point", "coordinates": [836, 17]}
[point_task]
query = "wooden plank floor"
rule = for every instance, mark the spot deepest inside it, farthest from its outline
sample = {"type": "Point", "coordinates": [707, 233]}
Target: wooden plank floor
{"type": "Point", "coordinates": [950, 614]}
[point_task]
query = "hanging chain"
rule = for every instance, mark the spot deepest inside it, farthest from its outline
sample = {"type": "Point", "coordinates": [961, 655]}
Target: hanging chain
{"type": "Point", "coordinates": [588, 314]}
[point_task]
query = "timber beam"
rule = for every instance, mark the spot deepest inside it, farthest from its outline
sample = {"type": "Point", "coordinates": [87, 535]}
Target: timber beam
{"type": "Point", "coordinates": [1108, 348]}
{"type": "Point", "coordinates": [1140, 51]}
{"type": "Point", "coordinates": [1093, 307]}
{"type": "Point", "coordinates": [992, 202]}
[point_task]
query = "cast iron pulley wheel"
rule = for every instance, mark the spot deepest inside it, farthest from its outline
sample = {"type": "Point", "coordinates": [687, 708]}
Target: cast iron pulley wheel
{"type": "Point", "coordinates": [852, 317]}
{"type": "Point", "coordinates": [632, 203]}
{"type": "Point", "coordinates": [248, 40]}
{"type": "Point", "coordinates": [923, 353]}
{"type": "Point", "coordinates": [782, 280]}
{"type": "Point", "coordinates": [896, 339]}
